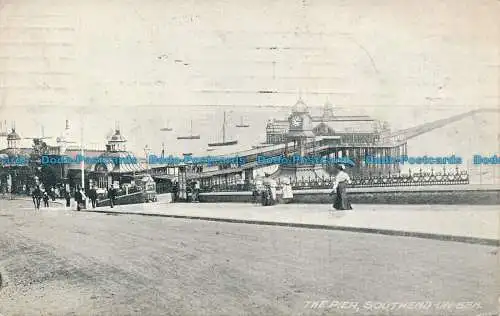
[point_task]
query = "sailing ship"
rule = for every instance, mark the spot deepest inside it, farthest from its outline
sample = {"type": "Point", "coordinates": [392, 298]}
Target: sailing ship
{"type": "Point", "coordinates": [241, 124]}
{"type": "Point", "coordinates": [166, 128]}
{"type": "Point", "coordinates": [190, 136]}
{"type": "Point", "coordinates": [224, 142]}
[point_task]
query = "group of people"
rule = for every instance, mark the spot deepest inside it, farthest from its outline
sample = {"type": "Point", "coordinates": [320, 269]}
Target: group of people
{"type": "Point", "coordinates": [38, 193]}
{"type": "Point", "coordinates": [264, 190]}
{"type": "Point", "coordinates": [81, 197]}
{"type": "Point", "coordinates": [193, 189]}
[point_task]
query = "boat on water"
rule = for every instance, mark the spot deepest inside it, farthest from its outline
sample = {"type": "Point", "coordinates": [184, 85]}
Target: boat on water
{"type": "Point", "coordinates": [191, 135]}
{"type": "Point", "coordinates": [224, 142]}
{"type": "Point", "coordinates": [241, 124]}
{"type": "Point", "coordinates": [166, 128]}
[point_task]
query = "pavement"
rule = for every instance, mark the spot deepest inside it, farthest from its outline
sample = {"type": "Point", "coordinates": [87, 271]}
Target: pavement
{"type": "Point", "coordinates": [462, 223]}
{"type": "Point", "coordinates": [60, 262]}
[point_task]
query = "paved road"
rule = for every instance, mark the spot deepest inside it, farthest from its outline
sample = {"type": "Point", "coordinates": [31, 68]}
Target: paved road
{"type": "Point", "coordinates": [59, 262]}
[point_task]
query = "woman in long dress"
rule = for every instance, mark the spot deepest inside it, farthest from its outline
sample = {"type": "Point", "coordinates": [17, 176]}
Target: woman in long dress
{"type": "Point", "coordinates": [269, 194]}
{"type": "Point", "coordinates": [342, 179]}
{"type": "Point", "coordinates": [287, 191]}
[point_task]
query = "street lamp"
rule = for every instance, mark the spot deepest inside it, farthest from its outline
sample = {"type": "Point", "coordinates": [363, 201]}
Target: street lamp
{"type": "Point", "coordinates": [82, 163]}
{"type": "Point", "coordinates": [147, 151]}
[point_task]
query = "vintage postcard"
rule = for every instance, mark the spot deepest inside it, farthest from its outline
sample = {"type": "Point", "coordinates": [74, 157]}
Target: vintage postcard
{"type": "Point", "coordinates": [286, 157]}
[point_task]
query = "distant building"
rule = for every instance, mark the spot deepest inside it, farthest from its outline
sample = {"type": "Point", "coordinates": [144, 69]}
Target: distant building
{"type": "Point", "coordinates": [351, 129]}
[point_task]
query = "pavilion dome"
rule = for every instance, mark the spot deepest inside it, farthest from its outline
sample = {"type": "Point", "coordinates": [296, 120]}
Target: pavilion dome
{"type": "Point", "coordinates": [117, 142]}
{"type": "Point", "coordinates": [117, 137]}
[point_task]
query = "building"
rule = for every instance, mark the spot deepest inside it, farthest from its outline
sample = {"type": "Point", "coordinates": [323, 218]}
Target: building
{"type": "Point", "coordinates": [354, 129]}
{"type": "Point", "coordinates": [102, 168]}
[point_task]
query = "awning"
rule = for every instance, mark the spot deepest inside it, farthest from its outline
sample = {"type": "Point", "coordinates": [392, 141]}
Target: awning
{"type": "Point", "coordinates": [165, 177]}
{"type": "Point", "coordinates": [128, 168]}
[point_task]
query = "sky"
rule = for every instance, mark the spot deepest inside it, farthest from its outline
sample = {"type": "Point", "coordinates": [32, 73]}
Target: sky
{"type": "Point", "coordinates": [147, 62]}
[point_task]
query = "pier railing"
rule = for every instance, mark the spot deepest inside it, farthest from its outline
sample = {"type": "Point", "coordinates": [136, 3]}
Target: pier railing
{"type": "Point", "coordinates": [420, 178]}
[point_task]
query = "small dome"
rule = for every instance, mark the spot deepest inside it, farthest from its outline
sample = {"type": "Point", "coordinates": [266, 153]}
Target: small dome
{"type": "Point", "coordinates": [300, 107]}
{"type": "Point", "coordinates": [13, 135]}
{"type": "Point", "coordinates": [117, 137]}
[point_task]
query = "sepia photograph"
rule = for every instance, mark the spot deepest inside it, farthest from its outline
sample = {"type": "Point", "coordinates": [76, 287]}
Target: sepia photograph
{"type": "Point", "coordinates": [282, 157]}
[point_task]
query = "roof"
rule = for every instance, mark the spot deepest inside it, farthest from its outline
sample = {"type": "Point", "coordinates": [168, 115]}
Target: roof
{"type": "Point", "coordinates": [300, 107]}
{"type": "Point", "coordinates": [128, 168]}
{"type": "Point", "coordinates": [13, 135]}
{"type": "Point", "coordinates": [117, 137]}
{"type": "Point", "coordinates": [11, 152]}
{"type": "Point", "coordinates": [86, 152]}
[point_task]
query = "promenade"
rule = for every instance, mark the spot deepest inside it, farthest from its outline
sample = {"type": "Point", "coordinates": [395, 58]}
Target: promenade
{"type": "Point", "coordinates": [466, 223]}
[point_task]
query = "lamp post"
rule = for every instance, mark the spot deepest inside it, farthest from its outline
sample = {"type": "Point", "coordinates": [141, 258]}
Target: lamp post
{"type": "Point", "coordinates": [82, 163]}
{"type": "Point", "coordinates": [147, 151]}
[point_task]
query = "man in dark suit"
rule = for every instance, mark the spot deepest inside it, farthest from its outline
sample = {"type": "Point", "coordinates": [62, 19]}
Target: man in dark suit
{"type": "Point", "coordinates": [111, 196]}
{"type": "Point", "coordinates": [175, 191]}
{"type": "Point", "coordinates": [67, 196]}
{"type": "Point", "coordinates": [93, 196]}
{"type": "Point", "coordinates": [78, 199]}
{"type": "Point", "coordinates": [37, 196]}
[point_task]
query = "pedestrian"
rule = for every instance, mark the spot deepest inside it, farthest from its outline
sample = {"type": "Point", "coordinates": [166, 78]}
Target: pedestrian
{"type": "Point", "coordinates": [53, 193]}
{"type": "Point", "coordinates": [33, 197]}
{"type": "Point", "coordinates": [37, 197]}
{"type": "Point", "coordinates": [258, 189]}
{"type": "Point", "coordinates": [272, 187]}
{"type": "Point", "coordinates": [45, 199]}
{"type": "Point", "coordinates": [93, 196]}
{"type": "Point", "coordinates": [287, 191]}
{"type": "Point", "coordinates": [269, 193]}
{"type": "Point", "coordinates": [78, 199]}
{"type": "Point", "coordinates": [339, 189]}
{"type": "Point", "coordinates": [111, 196]}
{"type": "Point", "coordinates": [67, 196]}
{"type": "Point", "coordinates": [175, 190]}
{"type": "Point", "coordinates": [196, 192]}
